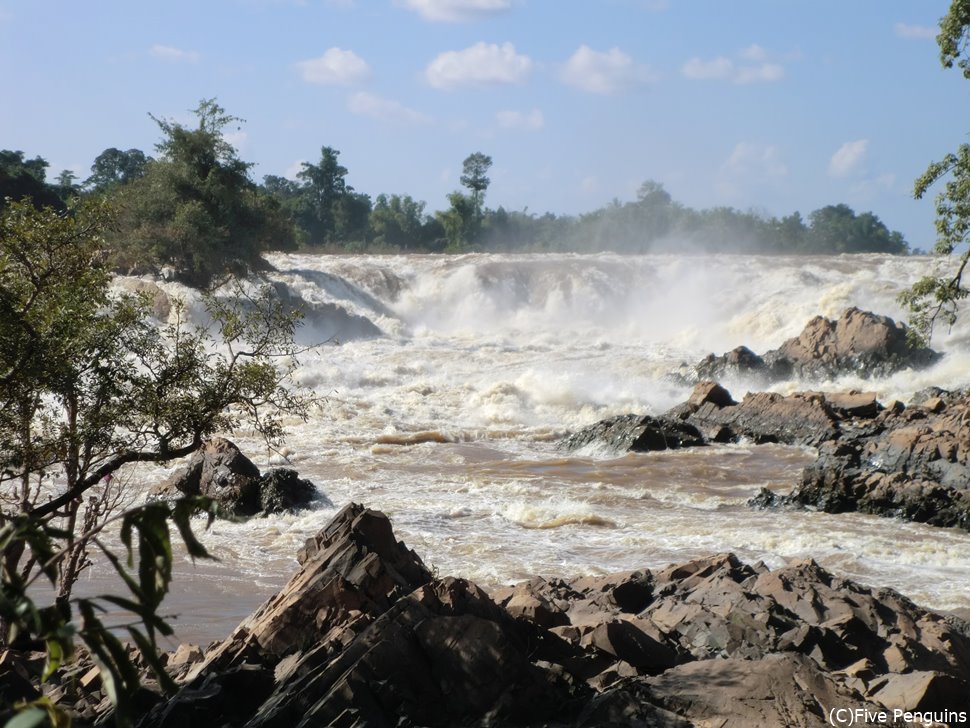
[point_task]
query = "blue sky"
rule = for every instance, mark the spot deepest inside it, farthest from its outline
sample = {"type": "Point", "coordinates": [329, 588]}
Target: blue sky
{"type": "Point", "coordinates": [773, 105]}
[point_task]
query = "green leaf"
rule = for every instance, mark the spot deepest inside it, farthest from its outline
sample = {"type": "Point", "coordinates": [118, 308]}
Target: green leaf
{"type": "Point", "coordinates": [27, 718]}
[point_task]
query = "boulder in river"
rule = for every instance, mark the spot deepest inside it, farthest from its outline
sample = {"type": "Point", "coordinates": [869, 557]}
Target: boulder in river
{"type": "Point", "coordinates": [219, 470]}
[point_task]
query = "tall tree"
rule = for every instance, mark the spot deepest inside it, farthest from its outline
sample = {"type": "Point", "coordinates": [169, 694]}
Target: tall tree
{"type": "Point", "coordinates": [474, 176]}
{"type": "Point", "coordinates": [195, 208]}
{"type": "Point", "coordinates": [114, 168]}
{"type": "Point", "coordinates": [323, 187]}
{"type": "Point", "coordinates": [933, 299]}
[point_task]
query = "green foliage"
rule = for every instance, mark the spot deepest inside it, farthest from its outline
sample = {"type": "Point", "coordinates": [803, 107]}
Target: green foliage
{"type": "Point", "coordinates": [399, 222]}
{"type": "Point", "coordinates": [195, 208]}
{"type": "Point", "coordinates": [114, 168]}
{"type": "Point", "coordinates": [146, 536]}
{"type": "Point", "coordinates": [89, 383]}
{"type": "Point", "coordinates": [933, 299]}
{"type": "Point", "coordinates": [21, 177]}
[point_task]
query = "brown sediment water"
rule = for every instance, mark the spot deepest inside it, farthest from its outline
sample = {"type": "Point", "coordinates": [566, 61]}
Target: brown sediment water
{"type": "Point", "coordinates": [448, 420]}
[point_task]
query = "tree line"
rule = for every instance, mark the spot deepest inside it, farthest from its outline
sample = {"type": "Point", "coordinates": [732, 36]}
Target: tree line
{"type": "Point", "coordinates": [195, 210]}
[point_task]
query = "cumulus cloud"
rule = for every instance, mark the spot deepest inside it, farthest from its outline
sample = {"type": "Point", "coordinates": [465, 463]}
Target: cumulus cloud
{"type": "Point", "coordinates": [519, 120]}
{"type": "Point", "coordinates": [750, 165]}
{"type": "Point", "coordinates": [604, 72]}
{"type": "Point", "coordinates": [482, 64]}
{"type": "Point", "coordinates": [848, 158]}
{"type": "Point", "coordinates": [751, 66]}
{"type": "Point", "coordinates": [915, 32]}
{"type": "Point", "coordinates": [376, 107]}
{"type": "Point", "coordinates": [456, 11]}
{"type": "Point", "coordinates": [335, 67]}
{"type": "Point", "coordinates": [175, 55]}
{"type": "Point", "coordinates": [750, 158]}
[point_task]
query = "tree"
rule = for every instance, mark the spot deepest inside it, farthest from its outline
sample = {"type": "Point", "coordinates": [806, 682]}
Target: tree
{"type": "Point", "coordinates": [474, 175]}
{"type": "Point", "coordinates": [322, 189]}
{"type": "Point", "coordinates": [399, 222]}
{"type": "Point", "coordinates": [21, 177]}
{"type": "Point", "coordinates": [195, 209]}
{"type": "Point", "coordinates": [89, 384]}
{"type": "Point", "coordinates": [932, 299]}
{"type": "Point", "coordinates": [114, 168]}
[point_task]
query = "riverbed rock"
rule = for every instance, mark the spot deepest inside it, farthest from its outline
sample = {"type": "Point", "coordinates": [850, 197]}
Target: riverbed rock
{"type": "Point", "coordinates": [219, 470]}
{"type": "Point", "coordinates": [363, 635]}
{"type": "Point", "coordinates": [911, 463]}
{"type": "Point", "coordinates": [634, 433]}
{"type": "Point", "coordinates": [858, 342]}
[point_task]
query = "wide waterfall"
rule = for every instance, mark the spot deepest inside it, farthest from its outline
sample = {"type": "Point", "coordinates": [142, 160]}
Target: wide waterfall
{"type": "Point", "coordinates": [445, 382]}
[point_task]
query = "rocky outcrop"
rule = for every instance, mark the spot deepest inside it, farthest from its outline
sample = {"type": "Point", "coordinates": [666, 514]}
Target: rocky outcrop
{"type": "Point", "coordinates": [364, 636]}
{"type": "Point", "coordinates": [634, 433]}
{"type": "Point", "coordinates": [912, 463]}
{"type": "Point", "coordinates": [859, 342]}
{"type": "Point", "coordinates": [220, 471]}
{"type": "Point", "coordinates": [902, 462]}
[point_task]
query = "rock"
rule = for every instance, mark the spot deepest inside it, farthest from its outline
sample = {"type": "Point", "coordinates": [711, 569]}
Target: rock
{"type": "Point", "coordinates": [920, 691]}
{"type": "Point", "coordinates": [853, 403]}
{"type": "Point", "coordinates": [777, 691]}
{"type": "Point", "coordinates": [220, 471]}
{"type": "Point", "coordinates": [160, 302]}
{"type": "Point", "coordinates": [859, 342]}
{"type": "Point", "coordinates": [634, 433]}
{"type": "Point", "coordinates": [362, 635]}
{"type": "Point", "coordinates": [804, 418]}
{"type": "Point", "coordinates": [912, 463]}
{"type": "Point", "coordinates": [709, 391]}
{"type": "Point", "coordinates": [740, 363]}
{"type": "Point", "coordinates": [282, 490]}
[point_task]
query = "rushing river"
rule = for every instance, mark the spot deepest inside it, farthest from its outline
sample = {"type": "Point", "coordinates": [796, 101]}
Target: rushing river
{"type": "Point", "coordinates": [447, 380]}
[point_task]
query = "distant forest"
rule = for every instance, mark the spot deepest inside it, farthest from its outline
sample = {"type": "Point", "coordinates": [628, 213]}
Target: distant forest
{"type": "Point", "coordinates": [195, 209]}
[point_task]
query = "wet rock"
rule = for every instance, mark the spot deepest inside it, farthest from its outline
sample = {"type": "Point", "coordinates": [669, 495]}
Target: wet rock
{"type": "Point", "coordinates": [282, 490]}
{"type": "Point", "coordinates": [634, 433]}
{"type": "Point", "coordinates": [858, 342]}
{"type": "Point", "coordinates": [804, 418]}
{"type": "Point", "coordinates": [220, 471]}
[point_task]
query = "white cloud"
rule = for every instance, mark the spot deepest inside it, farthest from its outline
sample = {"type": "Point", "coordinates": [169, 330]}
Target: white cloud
{"type": "Point", "coordinates": [848, 158]}
{"type": "Point", "coordinates": [531, 121]}
{"type": "Point", "coordinates": [749, 159]}
{"type": "Point", "coordinates": [482, 64]}
{"type": "Point", "coordinates": [754, 53]}
{"type": "Point", "coordinates": [752, 66]}
{"type": "Point", "coordinates": [367, 104]}
{"type": "Point", "coordinates": [176, 55]}
{"type": "Point", "coordinates": [456, 11]}
{"type": "Point", "coordinates": [915, 32]}
{"type": "Point", "coordinates": [715, 69]}
{"type": "Point", "coordinates": [335, 67]}
{"type": "Point", "coordinates": [603, 72]}
{"type": "Point", "coordinates": [750, 166]}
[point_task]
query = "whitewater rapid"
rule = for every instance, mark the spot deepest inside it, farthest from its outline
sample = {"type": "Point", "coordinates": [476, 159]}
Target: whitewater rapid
{"type": "Point", "coordinates": [445, 381]}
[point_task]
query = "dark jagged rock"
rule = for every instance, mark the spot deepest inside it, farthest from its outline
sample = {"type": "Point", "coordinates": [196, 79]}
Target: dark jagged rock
{"type": "Point", "coordinates": [364, 636]}
{"type": "Point", "coordinates": [859, 342]}
{"type": "Point", "coordinates": [282, 490]}
{"type": "Point", "coordinates": [634, 433]}
{"type": "Point", "coordinates": [220, 471]}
